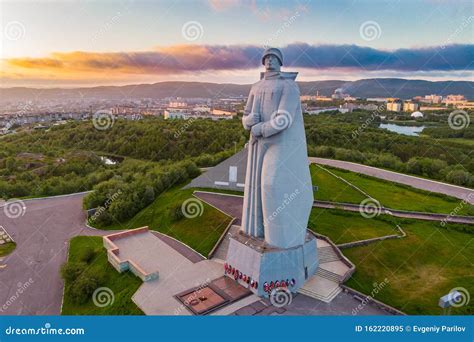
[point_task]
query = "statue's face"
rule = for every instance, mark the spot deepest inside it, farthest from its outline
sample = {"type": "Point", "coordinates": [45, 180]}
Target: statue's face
{"type": "Point", "coordinates": [272, 63]}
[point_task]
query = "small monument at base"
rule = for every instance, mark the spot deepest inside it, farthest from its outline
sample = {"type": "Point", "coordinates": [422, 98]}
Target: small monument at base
{"type": "Point", "coordinates": [263, 268]}
{"type": "Point", "coordinates": [273, 248]}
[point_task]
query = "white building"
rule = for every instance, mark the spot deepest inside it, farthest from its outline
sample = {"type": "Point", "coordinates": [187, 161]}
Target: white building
{"type": "Point", "coordinates": [416, 115]}
{"type": "Point", "coordinates": [175, 114]}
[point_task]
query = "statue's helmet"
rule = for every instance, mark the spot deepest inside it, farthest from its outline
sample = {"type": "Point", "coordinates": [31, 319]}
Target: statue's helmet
{"type": "Point", "coordinates": [275, 52]}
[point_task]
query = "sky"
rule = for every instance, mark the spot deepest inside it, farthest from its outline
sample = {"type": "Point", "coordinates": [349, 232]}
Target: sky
{"type": "Point", "coordinates": [85, 43]}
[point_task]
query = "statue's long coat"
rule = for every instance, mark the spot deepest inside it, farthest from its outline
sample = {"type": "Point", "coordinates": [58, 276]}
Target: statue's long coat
{"type": "Point", "coordinates": [278, 190]}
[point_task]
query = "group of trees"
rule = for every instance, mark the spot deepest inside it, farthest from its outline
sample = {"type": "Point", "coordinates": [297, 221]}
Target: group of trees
{"type": "Point", "coordinates": [158, 154]}
{"type": "Point", "coordinates": [356, 137]}
{"type": "Point", "coordinates": [80, 281]}
{"type": "Point", "coordinates": [152, 139]}
{"type": "Point", "coordinates": [134, 187]}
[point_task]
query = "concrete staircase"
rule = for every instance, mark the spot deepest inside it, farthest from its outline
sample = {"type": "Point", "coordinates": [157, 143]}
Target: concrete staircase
{"type": "Point", "coordinates": [327, 254]}
{"type": "Point", "coordinates": [323, 273]}
{"type": "Point", "coordinates": [321, 288]}
{"type": "Point", "coordinates": [324, 285]}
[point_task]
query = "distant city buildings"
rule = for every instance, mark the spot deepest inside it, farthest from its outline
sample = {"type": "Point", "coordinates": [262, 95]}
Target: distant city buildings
{"type": "Point", "coordinates": [409, 106]}
{"type": "Point", "coordinates": [432, 99]}
{"type": "Point", "coordinates": [394, 105]}
{"type": "Point", "coordinates": [339, 95]}
{"type": "Point", "coordinates": [44, 113]}
{"type": "Point", "coordinates": [454, 100]}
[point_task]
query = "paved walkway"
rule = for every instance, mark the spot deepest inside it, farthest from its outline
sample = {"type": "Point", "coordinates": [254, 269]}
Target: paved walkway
{"type": "Point", "coordinates": [42, 236]}
{"type": "Point", "coordinates": [399, 213]}
{"type": "Point", "coordinates": [150, 253]}
{"type": "Point", "coordinates": [180, 247]}
{"type": "Point", "coordinates": [416, 182]}
{"type": "Point", "coordinates": [343, 304]}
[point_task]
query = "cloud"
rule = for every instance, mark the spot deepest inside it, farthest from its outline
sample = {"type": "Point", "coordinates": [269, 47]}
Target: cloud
{"type": "Point", "coordinates": [194, 59]}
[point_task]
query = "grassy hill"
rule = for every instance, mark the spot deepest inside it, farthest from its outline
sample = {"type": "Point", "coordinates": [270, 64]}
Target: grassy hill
{"type": "Point", "coordinates": [200, 233]}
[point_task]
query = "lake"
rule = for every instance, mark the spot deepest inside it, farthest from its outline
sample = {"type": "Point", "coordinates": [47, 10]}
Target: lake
{"type": "Point", "coordinates": [405, 130]}
{"type": "Point", "coordinates": [109, 160]}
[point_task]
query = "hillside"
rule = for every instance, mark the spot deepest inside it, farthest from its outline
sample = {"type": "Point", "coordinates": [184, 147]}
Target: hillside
{"type": "Point", "coordinates": [382, 87]}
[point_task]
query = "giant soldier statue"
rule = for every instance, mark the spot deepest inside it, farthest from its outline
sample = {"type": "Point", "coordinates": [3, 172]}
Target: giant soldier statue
{"type": "Point", "coordinates": [278, 191]}
{"type": "Point", "coordinates": [274, 248]}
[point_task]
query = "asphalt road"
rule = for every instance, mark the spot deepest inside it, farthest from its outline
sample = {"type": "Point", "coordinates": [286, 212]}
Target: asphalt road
{"type": "Point", "coordinates": [30, 283]}
{"type": "Point", "coordinates": [229, 204]}
{"type": "Point", "coordinates": [416, 182]}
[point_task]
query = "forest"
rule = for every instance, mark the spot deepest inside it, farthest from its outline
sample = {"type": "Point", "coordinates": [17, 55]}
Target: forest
{"type": "Point", "coordinates": [155, 154]}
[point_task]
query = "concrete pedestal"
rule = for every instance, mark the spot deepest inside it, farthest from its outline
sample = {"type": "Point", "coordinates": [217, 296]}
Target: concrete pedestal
{"type": "Point", "coordinates": [265, 264]}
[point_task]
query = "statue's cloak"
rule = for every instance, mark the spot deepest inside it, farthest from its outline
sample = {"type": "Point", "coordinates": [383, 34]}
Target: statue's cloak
{"type": "Point", "coordinates": [278, 191]}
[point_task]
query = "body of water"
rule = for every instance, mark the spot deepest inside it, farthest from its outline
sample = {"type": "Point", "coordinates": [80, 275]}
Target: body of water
{"type": "Point", "coordinates": [405, 130]}
{"type": "Point", "coordinates": [108, 160]}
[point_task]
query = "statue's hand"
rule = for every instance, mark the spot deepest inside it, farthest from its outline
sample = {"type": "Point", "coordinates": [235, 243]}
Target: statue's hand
{"type": "Point", "coordinates": [253, 119]}
{"type": "Point", "coordinates": [256, 130]}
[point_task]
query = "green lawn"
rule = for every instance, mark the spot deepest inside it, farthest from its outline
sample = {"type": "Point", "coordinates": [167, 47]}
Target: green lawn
{"type": "Point", "coordinates": [398, 196]}
{"type": "Point", "coordinates": [420, 268]}
{"type": "Point", "coordinates": [7, 248]}
{"type": "Point", "coordinates": [345, 226]}
{"type": "Point", "coordinates": [200, 233]}
{"type": "Point", "coordinates": [123, 285]}
{"type": "Point", "coordinates": [469, 142]}
{"type": "Point", "coordinates": [333, 189]}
